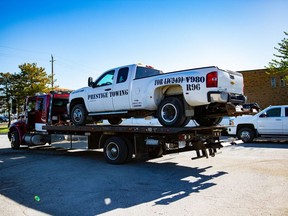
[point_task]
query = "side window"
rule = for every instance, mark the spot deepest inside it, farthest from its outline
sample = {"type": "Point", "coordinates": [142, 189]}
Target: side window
{"type": "Point", "coordinates": [142, 72]}
{"type": "Point", "coordinates": [122, 75]}
{"type": "Point", "coordinates": [31, 105]}
{"type": "Point", "coordinates": [105, 79]}
{"type": "Point", "coordinates": [282, 82]}
{"type": "Point", "coordinates": [286, 112]}
{"type": "Point", "coordinates": [273, 82]}
{"type": "Point", "coordinates": [39, 104]}
{"type": "Point", "coordinates": [275, 112]}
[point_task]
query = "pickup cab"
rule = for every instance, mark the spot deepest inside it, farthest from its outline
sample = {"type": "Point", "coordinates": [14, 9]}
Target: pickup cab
{"type": "Point", "coordinates": [270, 122]}
{"type": "Point", "coordinates": [203, 94]}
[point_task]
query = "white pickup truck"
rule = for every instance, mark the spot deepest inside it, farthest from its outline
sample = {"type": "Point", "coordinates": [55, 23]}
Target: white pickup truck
{"type": "Point", "coordinates": [203, 94]}
{"type": "Point", "coordinates": [270, 122]}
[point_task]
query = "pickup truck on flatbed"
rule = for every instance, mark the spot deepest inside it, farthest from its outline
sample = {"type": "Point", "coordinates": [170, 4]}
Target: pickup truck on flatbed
{"type": "Point", "coordinates": [202, 94]}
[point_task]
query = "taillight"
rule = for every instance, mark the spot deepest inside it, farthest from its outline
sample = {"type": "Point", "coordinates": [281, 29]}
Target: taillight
{"type": "Point", "coordinates": [212, 79]}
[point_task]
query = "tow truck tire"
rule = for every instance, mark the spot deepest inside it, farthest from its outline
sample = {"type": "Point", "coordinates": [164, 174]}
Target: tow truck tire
{"type": "Point", "coordinates": [15, 141]}
{"type": "Point", "coordinates": [155, 152]}
{"type": "Point", "coordinates": [115, 150]}
{"type": "Point", "coordinates": [131, 150]}
{"type": "Point", "coordinates": [170, 113]}
{"type": "Point", "coordinates": [78, 114]}
{"type": "Point", "coordinates": [246, 134]}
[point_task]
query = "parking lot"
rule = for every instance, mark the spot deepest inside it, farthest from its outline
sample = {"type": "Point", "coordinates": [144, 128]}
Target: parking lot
{"type": "Point", "coordinates": [243, 179]}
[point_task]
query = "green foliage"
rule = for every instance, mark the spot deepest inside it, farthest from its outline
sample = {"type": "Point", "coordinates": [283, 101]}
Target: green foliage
{"type": "Point", "coordinates": [32, 79]}
{"type": "Point", "coordinates": [28, 82]}
{"type": "Point", "coordinates": [5, 90]}
{"type": "Point", "coordinates": [280, 64]}
{"type": "Point", "coordinates": [4, 130]}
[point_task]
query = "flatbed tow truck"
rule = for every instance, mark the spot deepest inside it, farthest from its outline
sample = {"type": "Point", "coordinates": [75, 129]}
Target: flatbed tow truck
{"type": "Point", "coordinates": [46, 115]}
{"type": "Point", "coordinates": [120, 143]}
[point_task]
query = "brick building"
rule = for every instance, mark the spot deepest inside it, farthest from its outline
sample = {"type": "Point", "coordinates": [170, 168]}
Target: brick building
{"type": "Point", "coordinates": [265, 89]}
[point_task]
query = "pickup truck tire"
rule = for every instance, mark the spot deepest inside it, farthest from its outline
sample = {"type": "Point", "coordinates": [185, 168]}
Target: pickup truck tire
{"type": "Point", "coordinates": [115, 121]}
{"type": "Point", "coordinates": [246, 134]}
{"type": "Point", "coordinates": [170, 113]}
{"type": "Point", "coordinates": [115, 150]}
{"type": "Point", "coordinates": [15, 141]}
{"type": "Point", "coordinates": [207, 121]}
{"type": "Point", "coordinates": [78, 114]}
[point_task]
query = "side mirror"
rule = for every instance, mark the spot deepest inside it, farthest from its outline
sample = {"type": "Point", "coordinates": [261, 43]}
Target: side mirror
{"type": "Point", "coordinates": [90, 82]}
{"type": "Point", "coordinates": [263, 115]}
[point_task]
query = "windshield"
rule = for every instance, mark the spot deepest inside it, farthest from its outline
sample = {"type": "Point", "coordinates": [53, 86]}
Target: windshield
{"type": "Point", "coordinates": [60, 102]}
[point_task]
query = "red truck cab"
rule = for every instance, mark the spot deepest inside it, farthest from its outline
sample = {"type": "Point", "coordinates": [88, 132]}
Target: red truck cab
{"type": "Point", "coordinates": [39, 111]}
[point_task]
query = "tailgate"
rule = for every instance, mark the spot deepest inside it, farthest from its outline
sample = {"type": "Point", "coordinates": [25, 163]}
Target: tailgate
{"type": "Point", "coordinates": [230, 81]}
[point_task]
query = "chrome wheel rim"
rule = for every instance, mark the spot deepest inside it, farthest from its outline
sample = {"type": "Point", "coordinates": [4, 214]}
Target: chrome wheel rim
{"type": "Point", "coordinates": [169, 112]}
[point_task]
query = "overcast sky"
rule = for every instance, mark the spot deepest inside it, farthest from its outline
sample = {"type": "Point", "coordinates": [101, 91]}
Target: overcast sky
{"type": "Point", "coordinates": [87, 38]}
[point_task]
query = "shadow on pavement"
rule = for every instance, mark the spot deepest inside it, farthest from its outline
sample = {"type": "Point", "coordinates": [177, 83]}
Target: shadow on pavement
{"type": "Point", "coordinates": [266, 144]}
{"type": "Point", "coordinates": [82, 183]}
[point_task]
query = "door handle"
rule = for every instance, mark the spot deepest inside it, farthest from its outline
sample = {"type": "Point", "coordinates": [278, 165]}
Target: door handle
{"type": "Point", "coordinates": [109, 89]}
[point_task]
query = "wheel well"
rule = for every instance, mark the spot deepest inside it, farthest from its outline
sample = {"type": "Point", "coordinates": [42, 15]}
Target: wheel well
{"type": "Point", "coordinates": [11, 130]}
{"type": "Point", "coordinates": [251, 126]}
{"type": "Point", "coordinates": [173, 90]}
{"type": "Point", "coordinates": [167, 91]}
{"type": "Point", "coordinates": [74, 102]}
{"type": "Point", "coordinates": [105, 137]}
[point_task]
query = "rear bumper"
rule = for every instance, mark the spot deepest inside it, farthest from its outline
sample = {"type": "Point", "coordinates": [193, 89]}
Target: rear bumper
{"type": "Point", "coordinates": [224, 97]}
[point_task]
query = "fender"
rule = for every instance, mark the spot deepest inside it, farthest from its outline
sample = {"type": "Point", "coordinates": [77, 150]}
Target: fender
{"type": "Point", "coordinates": [20, 127]}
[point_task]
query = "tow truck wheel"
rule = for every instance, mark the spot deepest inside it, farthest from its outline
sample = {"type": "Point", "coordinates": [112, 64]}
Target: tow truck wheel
{"type": "Point", "coordinates": [78, 115]}
{"type": "Point", "coordinates": [115, 150]}
{"type": "Point", "coordinates": [246, 135]}
{"type": "Point", "coordinates": [170, 113]}
{"type": "Point", "coordinates": [15, 141]}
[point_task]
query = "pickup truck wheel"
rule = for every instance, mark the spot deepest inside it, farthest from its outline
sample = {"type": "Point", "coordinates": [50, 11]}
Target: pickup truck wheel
{"type": "Point", "coordinates": [207, 121]}
{"type": "Point", "coordinates": [187, 120]}
{"type": "Point", "coordinates": [115, 150]}
{"type": "Point", "coordinates": [115, 121]}
{"type": "Point", "coordinates": [246, 135]}
{"type": "Point", "coordinates": [78, 115]}
{"type": "Point", "coordinates": [15, 141]}
{"type": "Point", "coordinates": [170, 113]}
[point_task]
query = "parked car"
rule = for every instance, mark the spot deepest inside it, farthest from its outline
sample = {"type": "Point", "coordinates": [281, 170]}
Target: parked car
{"type": "Point", "coordinates": [253, 107]}
{"type": "Point", "coordinates": [3, 119]}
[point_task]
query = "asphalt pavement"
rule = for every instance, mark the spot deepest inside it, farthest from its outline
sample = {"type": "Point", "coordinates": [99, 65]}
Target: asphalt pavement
{"type": "Point", "coordinates": [243, 179]}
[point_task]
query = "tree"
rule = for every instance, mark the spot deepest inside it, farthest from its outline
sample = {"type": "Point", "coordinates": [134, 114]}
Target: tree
{"type": "Point", "coordinates": [280, 64]}
{"type": "Point", "coordinates": [28, 82]}
{"type": "Point", "coordinates": [5, 83]}
{"type": "Point", "coordinates": [33, 79]}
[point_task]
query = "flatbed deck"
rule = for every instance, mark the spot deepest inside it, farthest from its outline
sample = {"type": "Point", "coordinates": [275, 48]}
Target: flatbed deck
{"type": "Point", "coordinates": [78, 130]}
{"type": "Point", "coordinates": [120, 142]}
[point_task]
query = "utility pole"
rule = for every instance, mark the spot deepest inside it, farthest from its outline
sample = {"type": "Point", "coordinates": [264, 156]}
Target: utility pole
{"type": "Point", "coordinates": [52, 72]}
